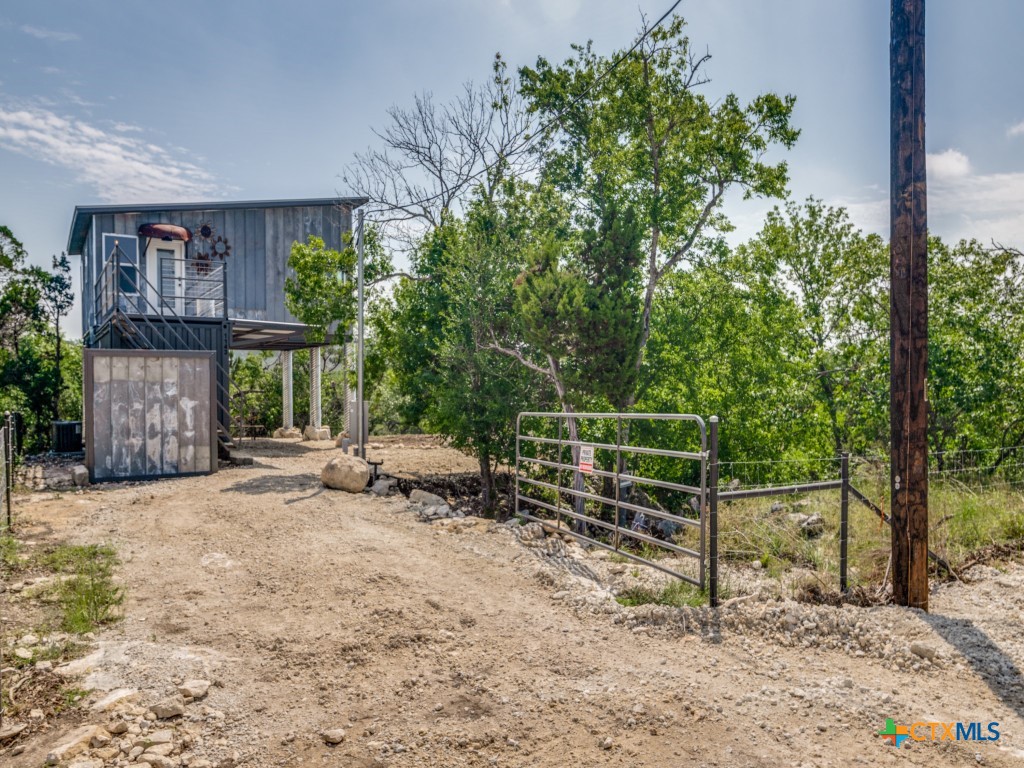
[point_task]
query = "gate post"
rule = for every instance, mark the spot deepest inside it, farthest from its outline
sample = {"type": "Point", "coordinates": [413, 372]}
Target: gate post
{"type": "Point", "coordinates": [713, 517]}
{"type": "Point", "coordinates": [844, 518]}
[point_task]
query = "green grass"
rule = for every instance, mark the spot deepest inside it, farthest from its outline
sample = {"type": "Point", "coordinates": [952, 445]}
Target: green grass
{"type": "Point", "coordinates": [87, 595]}
{"type": "Point", "coordinates": [678, 594]}
{"type": "Point", "coordinates": [57, 652]}
{"type": "Point", "coordinates": [9, 552]}
{"type": "Point", "coordinates": [962, 523]}
{"type": "Point", "coordinates": [69, 698]}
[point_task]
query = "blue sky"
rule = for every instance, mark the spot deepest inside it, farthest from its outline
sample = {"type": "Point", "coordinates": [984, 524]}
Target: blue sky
{"type": "Point", "coordinates": [126, 101]}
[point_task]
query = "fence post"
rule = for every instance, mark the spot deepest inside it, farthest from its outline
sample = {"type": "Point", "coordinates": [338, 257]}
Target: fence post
{"type": "Point", "coordinates": [844, 518]}
{"type": "Point", "coordinates": [9, 459]}
{"type": "Point", "coordinates": [713, 517]}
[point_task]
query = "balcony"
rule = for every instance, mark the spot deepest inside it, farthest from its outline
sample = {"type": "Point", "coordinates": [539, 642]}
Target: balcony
{"type": "Point", "coordinates": [163, 286]}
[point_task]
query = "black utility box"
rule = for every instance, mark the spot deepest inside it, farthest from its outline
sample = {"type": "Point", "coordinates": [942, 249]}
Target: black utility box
{"type": "Point", "coordinates": [67, 437]}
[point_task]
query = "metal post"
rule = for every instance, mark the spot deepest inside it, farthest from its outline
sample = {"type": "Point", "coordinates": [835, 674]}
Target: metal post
{"type": "Point", "coordinates": [361, 446]}
{"type": "Point", "coordinates": [314, 387]}
{"type": "Point", "coordinates": [844, 518]}
{"type": "Point", "coordinates": [908, 307]}
{"type": "Point", "coordinates": [558, 476]}
{"type": "Point", "coordinates": [618, 482]}
{"type": "Point", "coordinates": [519, 419]}
{"type": "Point", "coordinates": [713, 517]}
{"type": "Point", "coordinates": [346, 426]}
{"type": "Point", "coordinates": [9, 485]}
{"type": "Point", "coordinates": [287, 404]}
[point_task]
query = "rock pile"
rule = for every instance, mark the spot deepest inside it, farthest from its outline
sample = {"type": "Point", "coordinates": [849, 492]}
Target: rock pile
{"type": "Point", "coordinates": [52, 473]}
{"type": "Point", "coordinates": [287, 433]}
{"type": "Point", "coordinates": [430, 507]}
{"type": "Point", "coordinates": [162, 735]}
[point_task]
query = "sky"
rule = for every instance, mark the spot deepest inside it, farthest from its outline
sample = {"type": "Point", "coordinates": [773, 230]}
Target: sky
{"type": "Point", "coordinates": [121, 102]}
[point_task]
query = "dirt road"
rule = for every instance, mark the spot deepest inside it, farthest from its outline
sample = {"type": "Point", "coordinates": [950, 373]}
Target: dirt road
{"type": "Point", "coordinates": [455, 645]}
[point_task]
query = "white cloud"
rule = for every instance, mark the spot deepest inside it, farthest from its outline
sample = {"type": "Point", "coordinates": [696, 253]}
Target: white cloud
{"type": "Point", "coordinates": [49, 34]}
{"type": "Point", "coordinates": [120, 168]}
{"type": "Point", "coordinates": [949, 164]}
{"type": "Point", "coordinates": [1016, 130]}
{"type": "Point", "coordinates": [985, 206]}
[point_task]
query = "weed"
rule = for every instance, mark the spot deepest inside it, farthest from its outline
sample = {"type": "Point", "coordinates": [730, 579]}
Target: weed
{"type": "Point", "coordinates": [87, 594]}
{"type": "Point", "coordinates": [9, 549]}
{"type": "Point", "coordinates": [678, 594]}
{"type": "Point", "coordinates": [69, 698]}
{"type": "Point", "coordinates": [637, 596]}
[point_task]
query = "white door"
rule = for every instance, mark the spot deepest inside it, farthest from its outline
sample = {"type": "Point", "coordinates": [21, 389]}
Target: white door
{"type": "Point", "coordinates": [165, 270]}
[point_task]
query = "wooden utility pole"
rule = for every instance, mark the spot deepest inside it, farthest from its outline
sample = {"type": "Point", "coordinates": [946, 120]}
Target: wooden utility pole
{"type": "Point", "coordinates": [908, 308]}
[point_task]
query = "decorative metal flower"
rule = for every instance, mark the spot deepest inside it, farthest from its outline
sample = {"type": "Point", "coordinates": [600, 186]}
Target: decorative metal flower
{"type": "Point", "coordinates": [206, 231]}
{"type": "Point", "coordinates": [221, 247]}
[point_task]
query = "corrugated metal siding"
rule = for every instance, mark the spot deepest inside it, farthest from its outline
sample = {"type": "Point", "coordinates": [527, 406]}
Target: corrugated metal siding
{"type": "Point", "coordinates": [148, 414]}
{"type": "Point", "coordinates": [260, 240]}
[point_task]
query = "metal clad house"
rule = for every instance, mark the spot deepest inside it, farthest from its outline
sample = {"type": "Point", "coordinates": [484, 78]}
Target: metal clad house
{"type": "Point", "coordinates": [168, 291]}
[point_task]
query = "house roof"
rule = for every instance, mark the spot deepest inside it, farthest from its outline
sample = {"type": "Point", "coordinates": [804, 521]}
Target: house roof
{"type": "Point", "coordinates": [83, 213]}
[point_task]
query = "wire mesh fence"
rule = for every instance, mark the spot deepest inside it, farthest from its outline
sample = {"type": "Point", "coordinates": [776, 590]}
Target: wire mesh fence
{"type": "Point", "coordinates": [976, 503]}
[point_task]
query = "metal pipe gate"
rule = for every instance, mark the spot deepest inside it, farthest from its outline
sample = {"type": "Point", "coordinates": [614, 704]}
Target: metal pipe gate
{"type": "Point", "coordinates": [600, 532]}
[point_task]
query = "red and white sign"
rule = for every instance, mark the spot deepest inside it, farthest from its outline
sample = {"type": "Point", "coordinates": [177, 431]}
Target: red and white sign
{"type": "Point", "coordinates": [586, 459]}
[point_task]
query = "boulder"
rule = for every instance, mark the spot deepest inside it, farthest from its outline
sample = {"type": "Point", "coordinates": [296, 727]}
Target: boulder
{"type": "Point", "coordinates": [346, 473]}
{"type": "Point", "coordinates": [339, 441]}
{"type": "Point", "coordinates": [312, 433]}
{"type": "Point", "coordinates": [287, 433]}
{"type": "Point", "coordinates": [80, 475]}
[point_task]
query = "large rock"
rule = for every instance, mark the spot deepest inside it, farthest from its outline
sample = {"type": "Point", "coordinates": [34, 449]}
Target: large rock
{"type": "Point", "coordinates": [346, 473]}
{"type": "Point", "coordinates": [173, 706]}
{"type": "Point", "coordinates": [312, 433]}
{"type": "Point", "coordinates": [80, 475]}
{"type": "Point", "coordinates": [73, 744]}
{"type": "Point", "coordinates": [287, 433]}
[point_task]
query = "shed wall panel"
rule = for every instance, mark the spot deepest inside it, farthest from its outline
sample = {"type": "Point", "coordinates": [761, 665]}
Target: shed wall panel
{"type": "Point", "coordinates": [148, 413]}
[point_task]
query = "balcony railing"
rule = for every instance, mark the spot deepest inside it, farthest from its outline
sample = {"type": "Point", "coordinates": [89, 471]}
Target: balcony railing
{"type": "Point", "coordinates": [184, 288]}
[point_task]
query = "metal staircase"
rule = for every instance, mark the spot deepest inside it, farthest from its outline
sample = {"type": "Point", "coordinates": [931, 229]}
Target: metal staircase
{"type": "Point", "coordinates": [123, 294]}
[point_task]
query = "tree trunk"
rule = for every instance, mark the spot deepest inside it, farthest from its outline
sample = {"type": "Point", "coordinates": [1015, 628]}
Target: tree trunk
{"type": "Point", "coordinates": [487, 490]}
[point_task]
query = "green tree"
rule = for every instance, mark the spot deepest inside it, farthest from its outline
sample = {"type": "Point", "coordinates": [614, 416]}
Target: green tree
{"type": "Point", "coordinates": [975, 348]}
{"type": "Point", "coordinates": [12, 252]}
{"type": "Point", "coordinates": [837, 277]}
{"type": "Point", "coordinates": [55, 299]}
{"type": "Point", "coordinates": [322, 292]}
{"type": "Point", "coordinates": [645, 136]}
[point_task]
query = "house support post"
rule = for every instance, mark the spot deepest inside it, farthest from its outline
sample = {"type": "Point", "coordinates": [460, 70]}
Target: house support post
{"type": "Point", "coordinates": [287, 410]}
{"type": "Point", "coordinates": [314, 387]}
